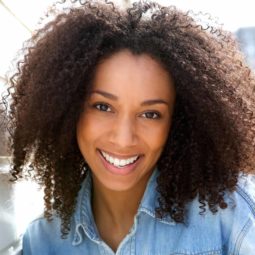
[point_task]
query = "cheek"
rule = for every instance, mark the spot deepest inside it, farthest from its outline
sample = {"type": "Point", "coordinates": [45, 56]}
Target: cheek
{"type": "Point", "coordinates": [82, 132]}
{"type": "Point", "coordinates": [156, 137]}
{"type": "Point", "coordinates": [85, 138]}
{"type": "Point", "coordinates": [89, 129]}
{"type": "Point", "coordinates": [157, 144]}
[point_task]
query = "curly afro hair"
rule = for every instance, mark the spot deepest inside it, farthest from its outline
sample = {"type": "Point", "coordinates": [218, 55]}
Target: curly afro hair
{"type": "Point", "coordinates": [213, 129]}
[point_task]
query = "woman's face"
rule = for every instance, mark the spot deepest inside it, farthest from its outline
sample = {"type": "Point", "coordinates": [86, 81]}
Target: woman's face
{"type": "Point", "coordinates": [126, 120]}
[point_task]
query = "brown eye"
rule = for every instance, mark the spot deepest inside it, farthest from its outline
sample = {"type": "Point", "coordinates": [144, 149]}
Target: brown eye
{"type": "Point", "coordinates": [102, 107]}
{"type": "Point", "coordinates": [151, 115]}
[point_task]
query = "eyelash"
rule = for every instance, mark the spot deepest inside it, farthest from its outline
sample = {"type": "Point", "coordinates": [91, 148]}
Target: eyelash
{"type": "Point", "coordinates": [155, 115]}
{"type": "Point", "coordinates": [158, 115]}
{"type": "Point", "coordinates": [98, 105]}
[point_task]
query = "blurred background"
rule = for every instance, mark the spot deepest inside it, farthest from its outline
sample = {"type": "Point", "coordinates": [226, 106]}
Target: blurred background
{"type": "Point", "coordinates": [20, 203]}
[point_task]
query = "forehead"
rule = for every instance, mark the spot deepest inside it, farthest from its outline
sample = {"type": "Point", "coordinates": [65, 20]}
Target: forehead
{"type": "Point", "coordinates": [126, 60]}
{"type": "Point", "coordinates": [125, 72]}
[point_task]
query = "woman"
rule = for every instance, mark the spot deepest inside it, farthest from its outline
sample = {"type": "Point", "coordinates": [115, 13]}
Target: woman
{"type": "Point", "coordinates": [139, 125]}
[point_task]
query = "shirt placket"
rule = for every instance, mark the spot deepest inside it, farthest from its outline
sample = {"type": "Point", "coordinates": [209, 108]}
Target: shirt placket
{"type": "Point", "coordinates": [127, 245]}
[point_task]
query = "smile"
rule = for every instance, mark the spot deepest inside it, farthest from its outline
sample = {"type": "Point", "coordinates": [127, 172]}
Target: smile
{"type": "Point", "coordinates": [117, 162]}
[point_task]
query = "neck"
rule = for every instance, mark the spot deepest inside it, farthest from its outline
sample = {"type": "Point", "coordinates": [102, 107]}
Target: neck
{"type": "Point", "coordinates": [118, 208]}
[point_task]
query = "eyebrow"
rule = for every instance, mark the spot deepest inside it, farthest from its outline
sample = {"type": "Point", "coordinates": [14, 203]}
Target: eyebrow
{"type": "Point", "coordinates": [144, 103]}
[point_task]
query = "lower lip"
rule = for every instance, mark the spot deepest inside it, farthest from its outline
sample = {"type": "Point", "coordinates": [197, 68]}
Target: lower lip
{"type": "Point", "coordinates": [119, 171]}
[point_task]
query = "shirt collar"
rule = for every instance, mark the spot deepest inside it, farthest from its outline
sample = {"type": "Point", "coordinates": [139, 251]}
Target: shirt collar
{"type": "Point", "coordinates": [83, 217]}
{"type": "Point", "coordinates": [150, 200]}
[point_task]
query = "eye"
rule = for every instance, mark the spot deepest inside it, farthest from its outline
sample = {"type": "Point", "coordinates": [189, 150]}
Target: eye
{"type": "Point", "coordinates": [102, 107]}
{"type": "Point", "coordinates": [151, 115]}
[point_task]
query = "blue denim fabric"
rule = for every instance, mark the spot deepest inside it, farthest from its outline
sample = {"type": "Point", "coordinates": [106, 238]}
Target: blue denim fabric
{"type": "Point", "coordinates": [230, 231]}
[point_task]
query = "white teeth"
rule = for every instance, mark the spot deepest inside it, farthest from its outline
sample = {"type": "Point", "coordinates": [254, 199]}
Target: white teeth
{"type": "Point", "coordinates": [122, 162]}
{"type": "Point", "coordinates": [111, 160]}
{"type": "Point", "coordinates": [116, 162]}
{"type": "Point", "coordinates": [119, 162]}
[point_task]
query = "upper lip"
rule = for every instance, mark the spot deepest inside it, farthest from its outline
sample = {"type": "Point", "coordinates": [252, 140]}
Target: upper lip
{"type": "Point", "coordinates": [115, 155]}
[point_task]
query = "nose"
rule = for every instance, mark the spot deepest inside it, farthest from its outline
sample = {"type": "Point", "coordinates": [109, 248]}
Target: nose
{"type": "Point", "coordinates": [123, 133]}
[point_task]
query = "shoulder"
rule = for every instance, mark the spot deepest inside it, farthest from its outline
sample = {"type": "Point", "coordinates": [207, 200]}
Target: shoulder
{"type": "Point", "coordinates": [233, 226]}
{"type": "Point", "coordinates": [246, 191]}
{"type": "Point", "coordinates": [242, 200]}
{"type": "Point", "coordinates": [242, 203]}
{"type": "Point", "coordinates": [236, 223]}
{"type": "Point", "coordinates": [242, 235]}
{"type": "Point", "coordinates": [41, 226]}
{"type": "Point", "coordinates": [41, 229]}
{"type": "Point", "coordinates": [229, 231]}
{"type": "Point", "coordinates": [44, 237]}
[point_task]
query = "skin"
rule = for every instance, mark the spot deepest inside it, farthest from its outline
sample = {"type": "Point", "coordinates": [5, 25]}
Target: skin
{"type": "Point", "coordinates": [128, 113]}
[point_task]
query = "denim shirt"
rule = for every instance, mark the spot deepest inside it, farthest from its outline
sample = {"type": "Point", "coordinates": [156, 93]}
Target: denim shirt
{"type": "Point", "coordinates": [230, 231]}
